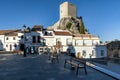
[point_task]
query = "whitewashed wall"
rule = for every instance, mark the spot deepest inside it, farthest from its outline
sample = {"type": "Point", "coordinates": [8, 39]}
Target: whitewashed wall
{"type": "Point", "coordinates": [11, 39]}
{"type": "Point", "coordinates": [100, 48]}
{"type": "Point", "coordinates": [63, 39]}
{"type": "Point", "coordinates": [50, 41]}
{"type": "Point", "coordinates": [87, 49]}
{"type": "Point", "coordinates": [9, 44]}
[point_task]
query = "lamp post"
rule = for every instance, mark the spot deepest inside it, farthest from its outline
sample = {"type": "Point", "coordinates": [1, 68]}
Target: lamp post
{"type": "Point", "coordinates": [24, 31]}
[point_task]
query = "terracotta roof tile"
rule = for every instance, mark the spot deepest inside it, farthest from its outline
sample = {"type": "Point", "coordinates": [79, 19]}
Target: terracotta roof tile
{"type": "Point", "coordinates": [83, 35]}
{"type": "Point", "coordinates": [12, 34]}
{"type": "Point", "coordinates": [62, 33]}
{"type": "Point", "coordinates": [9, 32]}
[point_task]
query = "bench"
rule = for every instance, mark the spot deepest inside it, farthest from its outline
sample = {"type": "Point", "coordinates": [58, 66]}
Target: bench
{"type": "Point", "coordinates": [77, 63]}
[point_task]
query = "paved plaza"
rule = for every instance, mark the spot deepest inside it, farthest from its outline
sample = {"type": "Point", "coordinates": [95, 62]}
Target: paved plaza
{"type": "Point", "coordinates": [38, 67]}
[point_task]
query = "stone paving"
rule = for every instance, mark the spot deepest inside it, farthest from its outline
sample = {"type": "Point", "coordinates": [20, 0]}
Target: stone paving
{"type": "Point", "coordinates": [38, 67]}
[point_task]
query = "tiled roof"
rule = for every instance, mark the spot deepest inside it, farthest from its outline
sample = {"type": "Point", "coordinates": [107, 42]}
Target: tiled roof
{"type": "Point", "coordinates": [12, 34]}
{"type": "Point", "coordinates": [63, 33]}
{"type": "Point", "coordinates": [50, 29]}
{"type": "Point", "coordinates": [83, 35]}
{"type": "Point", "coordinates": [9, 32]}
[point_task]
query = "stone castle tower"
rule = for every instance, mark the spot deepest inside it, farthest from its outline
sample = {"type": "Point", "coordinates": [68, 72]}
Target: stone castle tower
{"type": "Point", "coordinates": [67, 10]}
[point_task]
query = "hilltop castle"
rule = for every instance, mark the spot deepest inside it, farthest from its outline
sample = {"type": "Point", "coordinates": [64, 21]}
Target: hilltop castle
{"type": "Point", "coordinates": [68, 16]}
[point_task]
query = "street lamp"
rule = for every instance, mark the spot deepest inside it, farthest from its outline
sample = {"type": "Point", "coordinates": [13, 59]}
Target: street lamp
{"type": "Point", "coordinates": [24, 31]}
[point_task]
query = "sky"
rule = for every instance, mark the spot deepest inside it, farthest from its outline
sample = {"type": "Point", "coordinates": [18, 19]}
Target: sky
{"type": "Point", "coordinates": [101, 17]}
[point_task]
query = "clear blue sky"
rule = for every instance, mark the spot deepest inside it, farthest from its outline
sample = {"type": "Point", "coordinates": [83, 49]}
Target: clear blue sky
{"type": "Point", "coordinates": [101, 17]}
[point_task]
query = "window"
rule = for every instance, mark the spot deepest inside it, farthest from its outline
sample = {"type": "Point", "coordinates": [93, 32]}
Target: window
{"type": "Point", "coordinates": [7, 38]}
{"type": "Point", "coordinates": [96, 43]}
{"type": "Point", "coordinates": [68, 41]}
{"type": "Point", "coordinates": [84, 44]}
{"type": "Point", "coordinates": [46, 33]}
{"type": "Point", "coordinates": [76, 43]}
{"type": "Point", "coordinates": [21, 37]}
{"type": "Point", "coordinates": [15, 45]}
{"type": "Point", "coordinates": [57, 40]}
{"type": "Point", "coordinates": [1, 43]}
{"type": "Point", "coordinates": [13, 38]}
{"type": "Point", "coordinates": [102, 52]}
{"type": "Point", "coordinates": [6, 45]}
{"type": "Point", "coordinates": [84, 53]}
{"type": "Point", "coordinates": [38, 39]}
{"type": "Point", "coordinates": [34, 39]}
{"type": "Point", "coordinates": [50, 33]}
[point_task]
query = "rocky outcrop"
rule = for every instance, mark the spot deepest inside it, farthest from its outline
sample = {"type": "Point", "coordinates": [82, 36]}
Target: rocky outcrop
{"type": "Point", "coordinates": [70, 23]}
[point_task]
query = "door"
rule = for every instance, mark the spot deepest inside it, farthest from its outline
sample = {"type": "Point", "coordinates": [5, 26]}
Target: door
{"type": "Point", "coordinates": [22, 47]}
{"type": "Point", "coordinates": [10, 47]}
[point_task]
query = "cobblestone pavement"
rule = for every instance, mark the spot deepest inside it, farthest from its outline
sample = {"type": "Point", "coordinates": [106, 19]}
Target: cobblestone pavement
{"type": "Point", "coordinates": [38, 67]}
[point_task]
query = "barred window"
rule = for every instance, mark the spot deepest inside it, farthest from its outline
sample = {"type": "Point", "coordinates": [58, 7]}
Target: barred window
{"type": "Point", "coordinates": [7, 38]}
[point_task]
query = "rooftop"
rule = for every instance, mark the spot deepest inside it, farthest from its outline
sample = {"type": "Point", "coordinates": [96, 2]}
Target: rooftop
{"type": "Point", "coordinates": [63, 33]}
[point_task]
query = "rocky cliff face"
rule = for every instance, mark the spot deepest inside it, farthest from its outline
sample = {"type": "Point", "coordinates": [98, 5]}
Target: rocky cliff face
{"type": "Point", "coordinates": [68, 23]}
{"type": "Point", "coordinates": [71, 24]}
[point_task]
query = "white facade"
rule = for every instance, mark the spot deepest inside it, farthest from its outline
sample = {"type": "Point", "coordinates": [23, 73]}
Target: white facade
{"type": "Point", "coordinates": [64, 41]}
{"type": "Point", "coordinates": [101, 51]}
{"type": "Point", "coordinates": [85, 45]}
{"type": "Point", "coordinates": [9, 40]}
{"type": "Point", "coordinates": [30, 40]}
{"type": "Point", "coordinates": [11, 43]}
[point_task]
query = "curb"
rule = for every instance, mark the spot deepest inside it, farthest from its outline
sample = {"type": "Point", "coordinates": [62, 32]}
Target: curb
{"type": "Point", "coordinates": [103, 70]}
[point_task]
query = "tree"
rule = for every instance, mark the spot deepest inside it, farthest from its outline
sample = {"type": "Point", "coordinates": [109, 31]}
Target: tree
{"type": "Point", "coordinates": [68, 25]}
{"type": "Point", "coordinates": [28, 29]}
{"type": "Point", "coordinates": [82, 28]}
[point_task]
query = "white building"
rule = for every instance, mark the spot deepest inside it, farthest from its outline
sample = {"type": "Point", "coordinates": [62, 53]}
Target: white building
{"type": "Point", "coordinates": [86, 45]}
{"type": "Point", "coordinates": [9, 40]}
